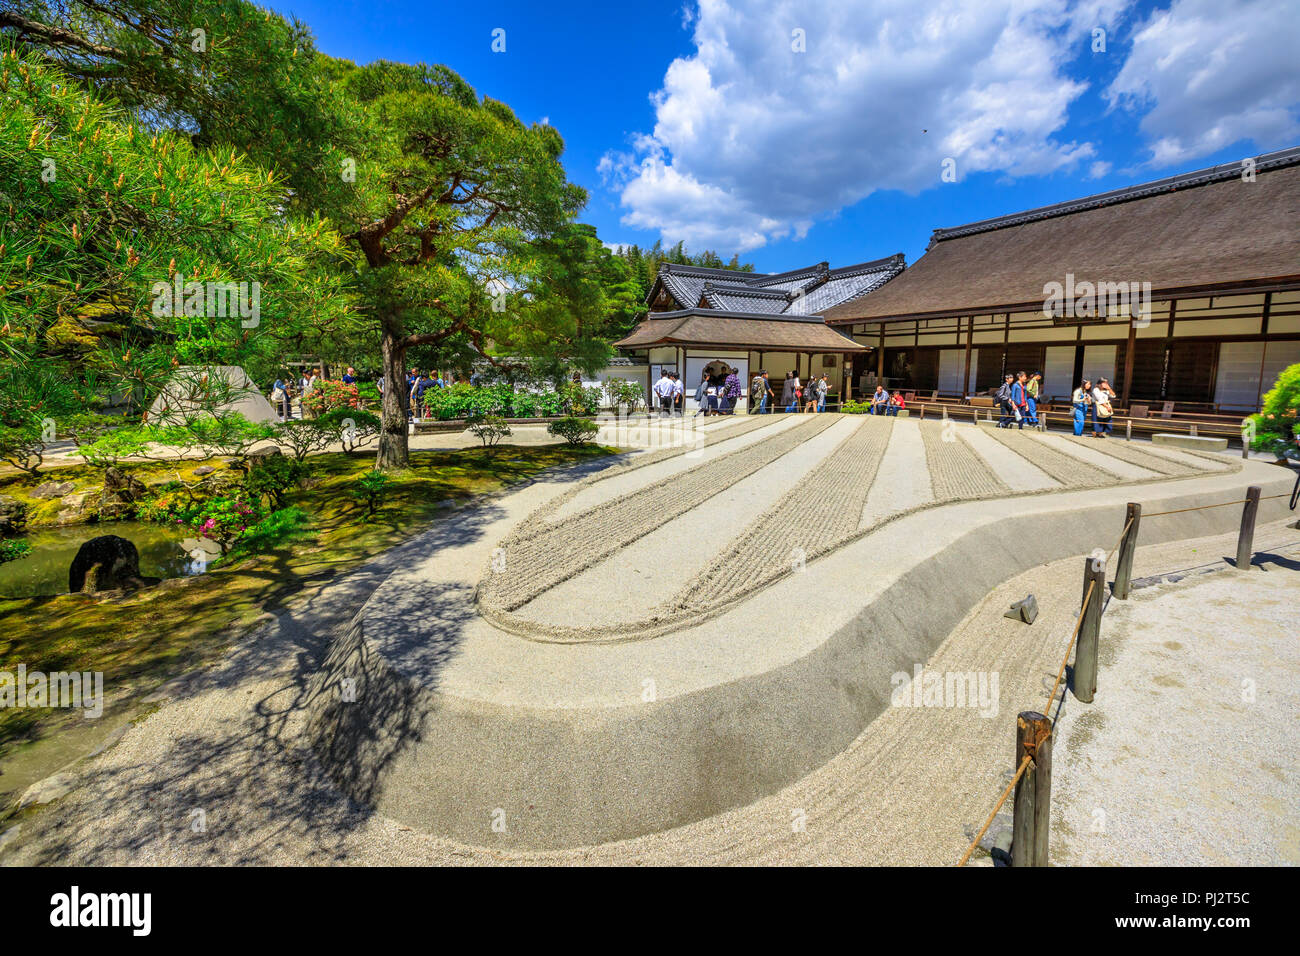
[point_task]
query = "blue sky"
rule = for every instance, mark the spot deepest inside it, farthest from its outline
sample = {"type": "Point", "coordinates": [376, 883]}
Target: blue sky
{"type": "Point", "coordinates": [795, 132]}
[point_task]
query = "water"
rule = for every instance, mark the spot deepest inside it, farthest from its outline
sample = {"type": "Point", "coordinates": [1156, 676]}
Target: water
{"type": "Point", "coordinates": [165, 552]}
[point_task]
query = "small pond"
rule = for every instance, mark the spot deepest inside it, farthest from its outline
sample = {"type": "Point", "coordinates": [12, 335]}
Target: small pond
{"type": "Point", "coordinates": [164, 553]}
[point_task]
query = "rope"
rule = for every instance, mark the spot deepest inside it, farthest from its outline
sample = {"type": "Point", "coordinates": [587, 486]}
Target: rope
{"type": "Point", "coordinates": [1224, 504]}
{"type": "Point", "coordinates": [989, 822]}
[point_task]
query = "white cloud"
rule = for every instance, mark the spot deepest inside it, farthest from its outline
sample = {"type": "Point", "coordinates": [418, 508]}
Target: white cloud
{"type": "Point", "coordinates": [754, 141]}
{"type": "Point", "coordinates": [1210, 74]}
{"type": "Point", "coordinates": [1099, 169]}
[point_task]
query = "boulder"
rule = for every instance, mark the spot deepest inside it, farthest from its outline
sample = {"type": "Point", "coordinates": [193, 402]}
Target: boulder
{"type": "Point", "coordinates": [52, 489]}
{"type": "Point", "coordinates": [74, 508]}
{"type": "Point", "coordinates": [13, 515]}
{"type": "Point", "coordinates": [106, 563]}
{"type": "Point", "coordinates": [121, 494]}
{"type": "Point", "coordinates": [203, 470]}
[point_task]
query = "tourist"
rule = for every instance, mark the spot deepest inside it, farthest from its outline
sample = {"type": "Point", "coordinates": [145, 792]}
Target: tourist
{"type": "Point", "coordinates": [1033, 388]}
{"type": "Point", "coordinates": [679, 397]}
{"type": "Point", "coordinates": [350, 376]}
{"type": "Point", "coordinates": [1079, 401]}
{"type": "Point", "coordinates": [663, 390]}
{"type": "Point", "coordinates": [1006, 403]}
{"type": "Point", "coordinates": [895, 403]}
{"type": "Point", "coordinates": [700, 392]}
{"type": "Point", "coordinates": [796, 391]}
{"type": "Point", "coordinates": [731, 391]}
{"type": "Point", "coordinates": [309, 383]}
{"type": "Point", "coordinates": [1020, 399]}
{"type": "Point", "coordinates": [787, 392]}
{"type": "Point", "coordinates": [763, 387]}
{"type": "Point", "coordinates": [823, 389]}
{"type": "Point", "coordinates": [1102, 410]}
{"type": "Point", "coordinates": [879, 401]}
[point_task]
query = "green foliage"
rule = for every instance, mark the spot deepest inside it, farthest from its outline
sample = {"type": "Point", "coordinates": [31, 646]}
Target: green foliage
{"type": "Point", "coordinates": [14, 549]}
{"type": "Point", "coordinates": [225, 518]}
{"type": "Point", "coordinates": [370, 489]}
{"type": "Point", "coordinates": [302, 436]}
{"type": "Point", "coordinates": [855, 407]}
{"type": "Point", "coordinates": [352, 427]}
{"type": "Point", "coordinates": [277, 527]}
{"type": "Point", "coordinates": [574, 430]}
{"type": "Point", "coordinates": [644, 264]}
{"type": "Point", "coordinates": [111, 447]}
{"type": "Point", "coordinates": [1276, 424]}
{"type": "Point", "coordinates": [621, 392]}
{"type": "Point", "coordinates": [273, 477]}
{"type": "Point", "coordinates": [489, 429]}
{"type": "Point", "coordinates": [22, 446]}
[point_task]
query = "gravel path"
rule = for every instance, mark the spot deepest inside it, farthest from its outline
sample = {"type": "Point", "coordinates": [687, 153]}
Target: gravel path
{"type": "Point", "coordinates": [1207, 662]}
{"type": "Point", "coordinates": [1066, 469]}
{"type": "Point", "coordinates": [1134, 455]}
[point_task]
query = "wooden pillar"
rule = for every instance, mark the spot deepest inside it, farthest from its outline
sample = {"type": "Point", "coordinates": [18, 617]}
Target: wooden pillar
{"type": "Point", "coordinates": [970, 337]}
{"type": "Point", "coordinates": [1032, 812]}
{"type": "Point", "coordinates": [1263, 352]}
{"type": "Point", "coordinates": [1246, 539]}
{"type": "Point", "coordinates": [1167, 359]}
{"type": "Point", "coordinates": [1085, 650]}
{"type": "Point", "coordinates": [1128, 362]}
{"type": "Point", "coordinates": [880, 358]}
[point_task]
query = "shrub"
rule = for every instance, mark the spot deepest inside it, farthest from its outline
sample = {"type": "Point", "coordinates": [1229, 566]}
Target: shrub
{"type": "Point", "coordinates": [272, 530]}
{"type": "Point", "coordinates": [623, 392]}
{"type": "Point", "coordinates": [1276, 424]}
{"type": "Point", "coordinates": [489, 429]}
{"type": "Point", "coordinates": [272, 477]}
{"type": "Point", "coordinates": [370, 489]}
{"type": "Point", "coordinates": [14, 549]}
{"type": "Point", "coordinates": [110, 448]}
{"type": "Point", "coordinates": [302, 436]}
{"type": "Point", "coordinates": [352, 427]}
{"type": "Point", "coordinates": [574, 430]}
{"type": "Point", "coordinates": [225, 519]}
{"type": "Point", "coordinates": [22, 445]}
{"type": "Point", "coordinates": [328, 394]}
{"type": "Point", "coordinates": [854, 407]}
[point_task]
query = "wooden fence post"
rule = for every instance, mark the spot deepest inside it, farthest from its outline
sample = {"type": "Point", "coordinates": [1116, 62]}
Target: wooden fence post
{"type": "Point", "coordinates": [1246, 539]}
{"type": "Point", "coordinates": [974, 414]}
{"type": "Point", "coordinates": [1032, 814]}
{"type": "Point", "coordinates": [1128, 429]}
{"type": "Point", "coordinates": [1085, 651]}
{"type": "Point", "coordinates": [1127, 547]}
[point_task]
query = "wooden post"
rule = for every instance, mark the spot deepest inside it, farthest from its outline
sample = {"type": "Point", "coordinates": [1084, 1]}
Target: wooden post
{"type": "Point", "coordinates": [1129, 349]}
{"type": "Point", "coordinates": [1033, 797]}
{"type": "Point", "coordinates": [975, 414]}
{"type": "Point", "coordinates": [1193, 431]}
{"type": "Point", "coordinates": [1246, 539]}
{"type": "Point", "coordinates": [1042, 421]}
{"type": "Point", "coordinates": [1127, 547]}
{"type": "Point", "coordinates": [1085, 650]}
{"type": "Point", "coordinates": [1128, 429]}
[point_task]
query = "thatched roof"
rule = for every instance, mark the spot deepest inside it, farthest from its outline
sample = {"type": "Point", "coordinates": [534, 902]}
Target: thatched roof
{"type": "Point", "coordinates": [1201, 232]}
{"type": "Point", "coordinates": [710, 327]}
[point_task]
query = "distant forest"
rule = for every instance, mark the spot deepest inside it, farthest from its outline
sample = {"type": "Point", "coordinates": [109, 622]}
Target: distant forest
{"type": "Point", "coordinates": [644, 263]}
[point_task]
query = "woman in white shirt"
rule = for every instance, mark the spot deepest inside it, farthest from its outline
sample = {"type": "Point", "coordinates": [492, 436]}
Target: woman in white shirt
{"type": "Point", "coordinates": [1102, 411]}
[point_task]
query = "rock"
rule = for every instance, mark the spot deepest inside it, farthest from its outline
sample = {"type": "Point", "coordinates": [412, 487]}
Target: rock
{"type": "Point", "coordinates": [203, 470]}
{"type": "Point", "coordinates": [1026, 609]}
{"type": "Point", "coordinates": [10, 835]}
{"type": "Point", "coordinates": [106, 563]}
{"type": "Point", "coordinates": [52, 489]}
{"type": "Point", "coordinates": [13, 515]}
{"type": "Point", "coordinates": [120, 495]}
{"type": "Point", "coordinates": [74, 508]}
{"type": "Point", "coordinates": [48, 790]}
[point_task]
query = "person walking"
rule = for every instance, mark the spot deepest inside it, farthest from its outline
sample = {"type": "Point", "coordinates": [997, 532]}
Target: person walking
{"type": "Point", "coordinates": [787, 392]}
{"type": "Point", "coordinates": [1102, 410]}
{"type": "Point", "coordinates": [663, 390]}
{"type": "Point", "coordinates": [278, 399]}
{"type": "Point", "coordinates": [679, 395]}
{"type": "Point", "coordinates": [768, 395]}
{"type": "Point", "coordinates": [1033, 388]}
{"type": "Point", "coordinates": [1006, 405]}
{"type": "Point", "coordinates": [1020, 399]}
{"type": "Point", "coordinates": [823, 388]}
{"type": "Point", "coordinates": [350, 376]}
{"type": "Point", "coordinates": [1079, 402]}
{"type": "Point", "coordinates": [701, 392]}
{"type": "Point", "coordinates": [731, 391]}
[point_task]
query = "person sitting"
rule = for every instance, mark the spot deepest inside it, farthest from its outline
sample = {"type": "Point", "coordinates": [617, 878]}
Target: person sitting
{"type": "Point", "coordinates": [880, 401]}
{"type": "Point", "coordinates": [896, 402]}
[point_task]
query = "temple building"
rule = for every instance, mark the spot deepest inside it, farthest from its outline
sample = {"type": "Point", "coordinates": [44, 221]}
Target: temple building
{"type": "Point", "coordinates": [754, 321]}
{"type": "Point", "coordinates": [1184, 290]}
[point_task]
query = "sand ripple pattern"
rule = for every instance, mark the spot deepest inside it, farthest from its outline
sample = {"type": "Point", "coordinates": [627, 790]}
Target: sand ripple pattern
{"type": "Point", "coordinates": [1069, 471]}
{"type": "Point", "coordinates": [1138, 456]}
{"type": "Point", "coordinates": [956, 470]}
{"type": "Point", "coordinates": [816, 516]}
{"type": "Point", "coordinates": [541, 555]}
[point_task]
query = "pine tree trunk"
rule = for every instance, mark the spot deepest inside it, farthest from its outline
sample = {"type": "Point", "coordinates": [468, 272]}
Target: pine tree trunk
{"type": "Point", "coordinates": [393, 448]}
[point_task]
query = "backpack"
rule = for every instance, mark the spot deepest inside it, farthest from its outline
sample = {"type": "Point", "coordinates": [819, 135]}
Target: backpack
{"type": "Point", "coordinates": [1004, 393]}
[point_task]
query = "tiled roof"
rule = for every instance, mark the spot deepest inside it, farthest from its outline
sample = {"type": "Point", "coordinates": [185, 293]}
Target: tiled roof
{"type": "Point", "coordinates": [709, 327]}
{"type": "Point", "coordinates": [805, 291]}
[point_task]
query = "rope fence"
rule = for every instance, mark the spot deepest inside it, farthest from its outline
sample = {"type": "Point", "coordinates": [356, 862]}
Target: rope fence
{"type": "Point", "coordinates": [1032, 780]}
